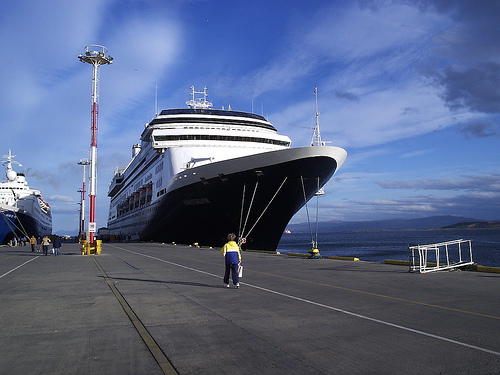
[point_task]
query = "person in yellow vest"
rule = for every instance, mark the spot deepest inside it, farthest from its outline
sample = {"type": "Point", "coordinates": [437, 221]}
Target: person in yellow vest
{"type": "Point", "coordinates": [232, 256]}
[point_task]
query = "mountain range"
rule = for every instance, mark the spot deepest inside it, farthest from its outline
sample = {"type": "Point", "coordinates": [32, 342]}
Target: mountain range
{"type": "Point", "coordinates": [432, 222]}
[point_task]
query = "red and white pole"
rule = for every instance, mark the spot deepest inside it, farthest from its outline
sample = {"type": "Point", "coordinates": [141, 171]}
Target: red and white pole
{"type": "Point", "coordinates": [93, 160]}
{"type": "Point", "coordinates": [95, 55]}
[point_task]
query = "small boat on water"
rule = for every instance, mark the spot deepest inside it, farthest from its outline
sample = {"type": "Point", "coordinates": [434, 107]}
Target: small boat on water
{"type": "Point", "coordinates": [23, 211]}
{"type": "Point", "coordinates": [200, 173]}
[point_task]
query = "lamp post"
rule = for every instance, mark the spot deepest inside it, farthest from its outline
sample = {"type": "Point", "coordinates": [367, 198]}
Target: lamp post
{"type": "Point", "coordinates": [96, 56]}
{"type": "Point", "coordinates": [84, 163]}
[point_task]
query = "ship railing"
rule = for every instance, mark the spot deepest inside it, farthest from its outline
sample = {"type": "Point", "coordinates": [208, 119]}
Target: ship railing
{"type": "Point", "coordinates": [118, 171]}
{"type": "Point", "coordinates": [116, 180]}
{"type": "Point", "coordinates": [440, 256]}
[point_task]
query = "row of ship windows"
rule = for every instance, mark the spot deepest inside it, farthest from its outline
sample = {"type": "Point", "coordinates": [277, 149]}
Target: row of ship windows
{"type": "Point", "coordinates": [126, 207]}
{"type": "Point", "coordinates": [217, 121]}
{"type": "Point", "coordinates": [136, 214]}
{"type": "Point", "coordinates": [206, 137]}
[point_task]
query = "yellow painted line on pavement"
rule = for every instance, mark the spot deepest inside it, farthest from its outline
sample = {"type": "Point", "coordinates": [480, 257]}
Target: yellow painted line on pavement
{"type": "Point", "coordinates": [12, 256]}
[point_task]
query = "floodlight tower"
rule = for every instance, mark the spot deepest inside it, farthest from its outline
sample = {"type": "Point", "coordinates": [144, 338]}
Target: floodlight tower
{"type": "Point", "coordinates": [84, 163]}
{"type": "Point", "coordinates": [96, 56]}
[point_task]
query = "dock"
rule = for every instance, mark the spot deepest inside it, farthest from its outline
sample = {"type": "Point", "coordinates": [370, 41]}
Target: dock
{"type": "Point", "coordinates": [150, 308]}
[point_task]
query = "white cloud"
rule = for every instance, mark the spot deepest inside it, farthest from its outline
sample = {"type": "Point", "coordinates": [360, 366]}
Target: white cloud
{"type": "Point", "coordinates": [61, 198]}
{"type": "Point", "coordinates": [350, 33]}
{"type": "Point", "coordinates": [142, 53]}
{"type": "Point", "coordinates": [371, 55]}
{"type": "Point", "coordinates": [482, 183]}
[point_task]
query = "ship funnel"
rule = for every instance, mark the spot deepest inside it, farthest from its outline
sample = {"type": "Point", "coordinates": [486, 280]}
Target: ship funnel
{"type": "Point", "coordinates": [135, 150]}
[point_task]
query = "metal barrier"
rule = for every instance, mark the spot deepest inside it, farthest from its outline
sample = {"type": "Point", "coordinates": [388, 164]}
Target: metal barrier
{"type": "Point", "coordinates": [440, 256]}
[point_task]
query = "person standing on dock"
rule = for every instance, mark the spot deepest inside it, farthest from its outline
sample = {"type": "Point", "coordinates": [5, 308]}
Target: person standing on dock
{"type": "Point", "coordinates": [45, 245]}
{"type": "Point", "coordinates": [33, 243]}
{"type": "Point", "coordinates": [57, 245]}
{"type": "Point", "coordinates": [232, 256]}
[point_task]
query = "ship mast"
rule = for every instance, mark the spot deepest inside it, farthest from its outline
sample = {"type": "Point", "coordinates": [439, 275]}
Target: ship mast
{"type": "Point", "coordinates": [316, 138]}
{"type": "Point", "coordinates": [315, 141]}
{"type": "Point", "coordinates": [10, 161]}
{"type": "Point", "coordinates": [10, 173]}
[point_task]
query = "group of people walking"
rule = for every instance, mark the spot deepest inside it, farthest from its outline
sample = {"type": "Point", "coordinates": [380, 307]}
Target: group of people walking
{"type": "Point", "coordinates": [42, 244]}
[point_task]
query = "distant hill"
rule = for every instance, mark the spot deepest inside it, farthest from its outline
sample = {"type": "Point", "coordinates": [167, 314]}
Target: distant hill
{"type": "Point", "coordinates": [433, 222]}
{"type": "Point", "coordinates": [475, 225]}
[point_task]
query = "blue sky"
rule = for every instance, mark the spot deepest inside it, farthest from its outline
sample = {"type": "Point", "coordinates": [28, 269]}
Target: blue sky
{"type": "Point", "coordinates": [411, 89]}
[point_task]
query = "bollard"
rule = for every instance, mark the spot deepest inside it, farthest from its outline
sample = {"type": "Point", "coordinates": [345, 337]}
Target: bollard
{"type": "Point", "coordinates": [88, 248]}
{"type": "Point", "coordinates": [314, 254]}
{"type": "Point", "coordinates": [83, 246]}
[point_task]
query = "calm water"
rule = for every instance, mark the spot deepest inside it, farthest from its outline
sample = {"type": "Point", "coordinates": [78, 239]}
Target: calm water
{"type": "Point", "coordinates": [376, 246]}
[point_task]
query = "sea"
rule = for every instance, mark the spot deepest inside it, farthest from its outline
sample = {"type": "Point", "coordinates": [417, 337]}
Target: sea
{"type": "Point", "coordinates": [377, 246]}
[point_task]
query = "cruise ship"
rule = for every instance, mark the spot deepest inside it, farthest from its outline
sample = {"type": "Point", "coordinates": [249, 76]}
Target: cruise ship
{"type": "Point", "coordinates": [23, 211]}
{"type": "Point", "coordinates": [200, 173]}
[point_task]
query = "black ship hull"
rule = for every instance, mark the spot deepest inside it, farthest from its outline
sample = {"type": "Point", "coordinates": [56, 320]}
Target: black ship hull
{"type": "Point", "coordinates": [256, 197]}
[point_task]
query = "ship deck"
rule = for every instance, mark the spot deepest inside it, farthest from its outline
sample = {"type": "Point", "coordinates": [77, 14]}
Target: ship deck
{"type": "Point", "coordinates": [144, 308]}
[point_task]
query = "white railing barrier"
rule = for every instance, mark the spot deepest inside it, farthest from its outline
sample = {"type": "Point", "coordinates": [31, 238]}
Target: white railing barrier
{"type": "Point", "coordinates": [440, 256]}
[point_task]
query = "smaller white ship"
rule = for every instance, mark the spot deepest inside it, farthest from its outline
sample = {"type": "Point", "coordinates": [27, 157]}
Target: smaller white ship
{"type": "Point", "coordinates": [23, 211]}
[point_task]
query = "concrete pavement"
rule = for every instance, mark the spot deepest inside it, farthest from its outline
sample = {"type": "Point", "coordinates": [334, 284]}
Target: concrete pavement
{"type": "Point", "coordinates": [144, 308]}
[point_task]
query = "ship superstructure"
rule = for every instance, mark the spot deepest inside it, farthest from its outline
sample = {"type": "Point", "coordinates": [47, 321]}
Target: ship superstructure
{"type": "Point", "coordinates": [200, 173]}
{"type": "Point", "coordinates": [23, 211]}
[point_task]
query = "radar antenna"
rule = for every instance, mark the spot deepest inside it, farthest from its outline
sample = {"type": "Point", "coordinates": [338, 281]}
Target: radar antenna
{"type": "Point", "coordinates": [10, 160]}
{"type": "Point", "coordinates": [199, 103]}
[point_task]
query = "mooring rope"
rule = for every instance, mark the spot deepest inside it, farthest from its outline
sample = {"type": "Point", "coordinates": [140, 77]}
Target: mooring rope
{"type": "Point", "coordinates": [249, 209]}
{"type": "Point", "coordinates": [242, 207]}
{"type": "Point", "coordinates": [22, 226]}
{"type": "Point", "coordinates": [12, 225]}
{"type": "Point", "coordinates": [265, 209]}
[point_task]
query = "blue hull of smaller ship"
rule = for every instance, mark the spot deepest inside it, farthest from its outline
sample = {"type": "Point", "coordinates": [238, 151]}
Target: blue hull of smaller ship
{"type": "Point", "coordinates": [16, 225]}
{"type": "Point", "coordinates": [8, 222]}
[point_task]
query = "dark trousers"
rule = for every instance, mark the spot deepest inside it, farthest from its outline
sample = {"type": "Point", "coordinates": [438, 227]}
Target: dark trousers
{"type": "Point", "coordinates": [233, 269]}
{"type": "Point", "coordinates": [45, 249]}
